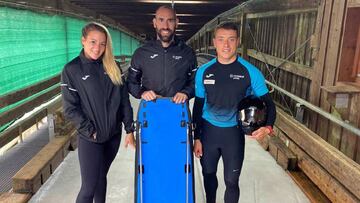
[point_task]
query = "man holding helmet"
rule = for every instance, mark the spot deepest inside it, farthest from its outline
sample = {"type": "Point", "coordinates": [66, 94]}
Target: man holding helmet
{"type": "Point", "coordinates": [220, 86]}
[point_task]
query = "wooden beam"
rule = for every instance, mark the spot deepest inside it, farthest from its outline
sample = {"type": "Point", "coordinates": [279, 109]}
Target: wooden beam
{"type": "Point", "coordinates": [337, 164]}
{"type": "Point", "coordinates": [280, 13]}
{"type": "Point", "coordinates": [319, 43]}
{"type": "Point", "coordinates": [331, 59]}
{"type": "Point", "coordinates": [298, 69]}
{"type": "Point", "coordinates": [282, 154]}
{"type": "Point", "coordinates": [353, 3]}
{"type": "Point", "coordinates": [35, 172]}
{"type": "Point", "coordinates": [18, 111]}
{"type": "Point", "coordinates": [26, 92]}
{"type": "Point", "coordinates": [332, 188]}
{"type": "Point", "coordinates": [11, 197]}
{"type": "Point", "coordinates": [244, 35]}
{"type": "Point", "coordinates": [308, 187]}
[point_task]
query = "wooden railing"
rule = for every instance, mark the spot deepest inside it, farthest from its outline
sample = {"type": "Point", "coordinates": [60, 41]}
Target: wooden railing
{"type": "Point", "coordinates": [44, 91]}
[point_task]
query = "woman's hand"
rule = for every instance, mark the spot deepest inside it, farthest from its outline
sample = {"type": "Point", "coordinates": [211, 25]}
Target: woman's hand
{"type": "Point", "coordinates": [130, 140]}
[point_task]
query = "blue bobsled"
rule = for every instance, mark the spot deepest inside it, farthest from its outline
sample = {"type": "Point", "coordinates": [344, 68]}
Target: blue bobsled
{"type": "Point", "coordinates": [164, 161]}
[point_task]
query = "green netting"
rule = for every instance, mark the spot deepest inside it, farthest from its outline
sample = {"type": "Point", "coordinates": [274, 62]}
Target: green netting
{"type": "Point", "coordinates": [41, 44]}
{"type": "Point", "coordinates": [73, 34]}
{"type": "Point", "coordinates": [36, 46]}
{"type": "Point", "coordinates": [125, 44]}
{"type": "Point", "coordinates": [134, 45]}
{"type": "Point", "coordinates": [32, 48]}
{"type": "Point", "coordinates": [115, 36]}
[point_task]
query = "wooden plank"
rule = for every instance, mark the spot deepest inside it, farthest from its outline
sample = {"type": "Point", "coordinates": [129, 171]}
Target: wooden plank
{"type": "Point", "coordinates": [18, 111]}
{"type": "Point", "coordinates": [293, 86]}
{"type": "Point", "coordinates": [332, 58]}
{"type": "Point", "coordinates": [341, 88]}
{"type": "Point", "coordinates": [310, 34]}
{"type": "Point", "coordinates": [319, 44]}
{"type": "Point", "coordinates": [311, 191]}
{"type": "Point", "coordinates": [334, 137]}
{"type": "Point", "coordinates": [299, 38]}
{"type": "Point", "coordinates": [294, 37]}
{"type": "Point", "coordinates": [10, 197]}
{"type": "Point", "coordinates": [297, 69]}
{"type": "Point", "coordinates": [279, 32]}
{"type": "Point", "coordinates": [34, 173]}
{"type": "Point", "coordinates": [273, 151]}
{"type": "Point", "coordinates": [284, 34]}
{"type": "Point", "coordinates": [283, 156]}
{"type": "Point", "coordinates": [267, 36]}
{"type": "Point", "coordinates": [262, 42]}
{"type": "Point", "coordinates": [353, 3]}
{"type": "Point", "coordinates": [290, 32]}
{"type": "Point", "coordinates": [332, 188]}
{"type": "Point", "coordinates": [280, 13]}
{"type": "Point", "coordinates": [304, 37]}
{"type": "Point", "coordinates": [24, 93]}
{"type": "Point", "coordinates": [349, 140]}
{"type": "Point", "coordinates": [305, 95]}
{"type": "Point", "coordinates": [244, 37]}
{"type": "Point", "coordinates": [270, 42]}
{"type": "Point", "coordinates": [265, 142]}
{"type": "Point", "coordinates": [297, 85]}
{"type": "Point", "coordinates": [337, 164]}
{"type": "Point", "coordinates": [282, 29]}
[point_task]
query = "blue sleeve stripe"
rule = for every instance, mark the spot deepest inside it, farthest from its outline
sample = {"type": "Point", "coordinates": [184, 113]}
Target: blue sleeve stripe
{"type": "Point", "coordinates": [258, 84]}
{"type": "Point", "coordinates": [199, 85]}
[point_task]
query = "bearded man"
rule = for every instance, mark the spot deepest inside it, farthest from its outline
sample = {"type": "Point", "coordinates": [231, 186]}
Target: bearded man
{"type": "Point", "coordinates": [164, 67]}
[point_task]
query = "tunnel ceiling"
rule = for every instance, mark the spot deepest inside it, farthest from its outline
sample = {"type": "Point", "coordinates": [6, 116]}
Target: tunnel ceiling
{"type": "Point", "coordinates": [137, 15]}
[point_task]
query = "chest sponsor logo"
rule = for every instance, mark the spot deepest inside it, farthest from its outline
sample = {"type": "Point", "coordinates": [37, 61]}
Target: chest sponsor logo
{"type": "Point", "coordinates": [177, 57]}
{"type": "Point", "coordinates": [85, 77]}
{"type": "Point", "coordinates": [209, 75]}
{"type": "Point", "coordinates": [236, 77]}
{"type": "Point", "coordinates": [209, 82]}
{"type": "Point", "coordinates": [154, 56]}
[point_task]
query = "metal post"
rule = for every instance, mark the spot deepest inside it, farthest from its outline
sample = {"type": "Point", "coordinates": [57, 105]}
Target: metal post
{"type": "Point", "coordinates": [140, 164]}
{"type": "Point", "coordinates": [51, 125]}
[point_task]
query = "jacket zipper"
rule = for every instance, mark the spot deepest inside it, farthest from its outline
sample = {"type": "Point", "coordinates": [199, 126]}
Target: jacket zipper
{"type": "Point", "coordinates": [164, 67]}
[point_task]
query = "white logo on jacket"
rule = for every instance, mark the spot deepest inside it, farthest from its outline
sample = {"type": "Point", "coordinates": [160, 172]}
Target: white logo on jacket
{"type": "Point", "coordinates": [177, 57]}
{"type": "Point", "coordinates": [236, 77]}
{"type": "Point", "coordinates": [209, 75]}
{"type": "Point", "coordinates": [153, 56]}
{"type": "Point", "coordinates": [85, 77]}
{"type": "Point", "coordinates": [209, 82]}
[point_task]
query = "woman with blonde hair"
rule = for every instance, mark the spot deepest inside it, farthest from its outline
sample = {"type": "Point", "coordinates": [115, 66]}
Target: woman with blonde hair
{"type": "Point", "coordinates": [96, 100]}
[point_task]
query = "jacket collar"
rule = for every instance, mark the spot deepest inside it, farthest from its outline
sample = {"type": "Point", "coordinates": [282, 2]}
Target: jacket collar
{"type": "Point", "coordinates": [85, 60]}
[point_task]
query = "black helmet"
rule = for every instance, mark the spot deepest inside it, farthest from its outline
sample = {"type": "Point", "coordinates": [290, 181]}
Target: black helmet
{"type": "Point", "coordinates": [252, 114]}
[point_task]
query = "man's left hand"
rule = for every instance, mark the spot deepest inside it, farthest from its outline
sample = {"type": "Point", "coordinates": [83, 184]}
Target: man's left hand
{"type": "Point", "coordinates": [180, 98]}
{"type": "Point", "coordinates": [260, 133]}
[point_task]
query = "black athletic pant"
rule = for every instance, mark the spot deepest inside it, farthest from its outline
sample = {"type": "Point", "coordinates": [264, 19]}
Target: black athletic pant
{"type": "Point", "coordinates": [95, 160]}
{"type": "Point", "coordinates": [228, 143]}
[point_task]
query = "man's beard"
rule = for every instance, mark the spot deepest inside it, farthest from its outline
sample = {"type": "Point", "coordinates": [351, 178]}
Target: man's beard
{"type": "Point", "coordinates": [165, 38]}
